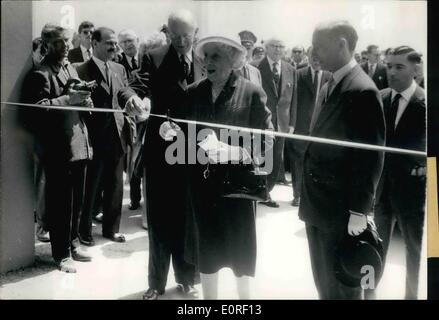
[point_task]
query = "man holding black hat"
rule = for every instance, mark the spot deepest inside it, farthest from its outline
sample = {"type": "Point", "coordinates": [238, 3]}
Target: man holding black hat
{"type": "Point", "coordinates": [339, 183]}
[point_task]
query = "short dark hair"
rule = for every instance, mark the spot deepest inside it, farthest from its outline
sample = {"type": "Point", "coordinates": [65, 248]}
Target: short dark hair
{"type": "Point", "coordinates": [413, 56]}
{"type": "Point", "coordinates": [85, 25]}
{"type": "Point", "coordinates": [97, 34]}
{"type": "Point", "coordinates": [50, 31]}
{"type": "Point", "coordinates": [371, 47]}
{"type": "Point", "coordinates": [340, 28]}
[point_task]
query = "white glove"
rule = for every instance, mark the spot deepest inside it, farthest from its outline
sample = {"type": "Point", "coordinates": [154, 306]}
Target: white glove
{"type": "Point", "coordinates": [357, 223]}
{"type": "Point", "coordinates": [168, 130]}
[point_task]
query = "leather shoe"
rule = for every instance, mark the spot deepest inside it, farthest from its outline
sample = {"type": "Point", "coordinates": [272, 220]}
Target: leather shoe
{"type": "Point", "coordinates": [295, 202]}
{"type": "Point", "coordinates": [66, 265]}
{"type": "Point", "coordinates": [134, 206]}
{"type": "Point", "coordinates": [116, 237]}
{"type": "Point", "coordinates": [42, 235]}
{"type": "Point", "coordinates": [152, 294]}
{"type": "Point", "coordinates": [187, 290]}
{"type": "Point", "coordinates": [80, 255]}
{"type": "Point", "coordinates": [99, 217]}
{"type": "Point", "coordinates": [88, 241]}
{"type": "Point", "coordinates": [270, 203]}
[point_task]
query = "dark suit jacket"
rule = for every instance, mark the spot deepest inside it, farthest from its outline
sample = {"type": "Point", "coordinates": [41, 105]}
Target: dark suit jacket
{"type": "Point", "coordinates": [380, 75]}
{"type": "Point", "coordinates": [282, 103]}
{"type": "Point", "coordinates": [75, 55]}
{"type": "Point", "coordinates": [306, 97]}
{"type": "Point", "coordinates": [124, 61]}
{"type": "Point", "coordinates": [100, 124]}
{"type": "Point", "coordinates": [160, 80]}
{"type": "Point", "coordinates": [63, 135]}
{"type": "Point", "coordinates": [405, 190]}
{"type": "Point", "coordinates": [338, 179]}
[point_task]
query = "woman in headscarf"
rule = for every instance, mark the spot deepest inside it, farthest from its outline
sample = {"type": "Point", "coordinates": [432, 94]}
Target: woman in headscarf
{"type": "Point", "coordinates": [225, 227]}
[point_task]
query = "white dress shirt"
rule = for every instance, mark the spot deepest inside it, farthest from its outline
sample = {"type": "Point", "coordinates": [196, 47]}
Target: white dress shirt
{"type": "Point", "coordinates": [84, 52]}
{"type": "Point", "coordinates": [406, 95]}
{"type": "Point", "coordinates": [279, 63]}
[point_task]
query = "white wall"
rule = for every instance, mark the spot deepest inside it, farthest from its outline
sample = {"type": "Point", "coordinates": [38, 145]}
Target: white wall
{"type": "Point", "coordinates": [386, 23]}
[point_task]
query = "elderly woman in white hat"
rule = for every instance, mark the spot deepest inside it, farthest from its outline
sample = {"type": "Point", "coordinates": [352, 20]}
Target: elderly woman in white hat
{"type": "Point", "coordinates": [225, 227]}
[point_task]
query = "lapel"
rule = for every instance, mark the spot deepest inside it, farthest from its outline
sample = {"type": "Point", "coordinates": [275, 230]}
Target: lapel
{"type": "Point", "coordinates": [286, 77]}
{"type": "Point", "coordinates": [267, 76]}
{"type": "Point", "coordinates": [332, 103]}
{"type": "Point", "coordinates": [59, 74]}
{"type": "Point", "coordinates": [308, 80]}
{"type": "Point", "coordinates": [96, 73]}
{"type": "Point", "coordinates": [227, 92]}
{"type": "Point", "coordinates": [416, 98]}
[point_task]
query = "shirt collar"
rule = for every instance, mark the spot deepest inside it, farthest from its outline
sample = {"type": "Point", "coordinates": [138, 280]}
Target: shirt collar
{"type": "Point", "coordinates": [84, 49]}
{"type": "Point", "coordinates": [99, 62]}
{"type": "Point", "coordinates": [343, 71]}
{"type": "Point", "coordinates": [270, 62]}
{"type": "Point", "coordinates": [187, 55]}
{"type": "Point", "coordinates": [407, 93]}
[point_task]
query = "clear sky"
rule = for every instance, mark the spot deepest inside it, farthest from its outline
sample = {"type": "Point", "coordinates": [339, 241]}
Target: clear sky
{"type": "Point", "coordinates": [385, 23]}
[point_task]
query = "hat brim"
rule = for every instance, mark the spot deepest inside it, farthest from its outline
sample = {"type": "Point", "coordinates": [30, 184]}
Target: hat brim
{"type": "Point", "coordinates": [199, 49]}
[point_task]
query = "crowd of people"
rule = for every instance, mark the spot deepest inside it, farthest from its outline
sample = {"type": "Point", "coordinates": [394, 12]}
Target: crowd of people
{"type": "Point", "coordinates": [328, 90]}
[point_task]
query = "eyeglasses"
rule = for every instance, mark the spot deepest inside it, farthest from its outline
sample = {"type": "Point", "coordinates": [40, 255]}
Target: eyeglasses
{"type": "Point", "coordinates": [87, 31]}
{"type": "Point", "coordinates": [277, 46]}
{"type": "Point", "coordinates": [297, 51]}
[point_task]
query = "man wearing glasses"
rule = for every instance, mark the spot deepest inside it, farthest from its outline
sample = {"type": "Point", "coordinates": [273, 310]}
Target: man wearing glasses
{"type": "Point", "coordinates": [84, 52]}
{"type": "Point", "coordinates": [298, 57]}
{"type": "Point", "coordinates": [374, 68]}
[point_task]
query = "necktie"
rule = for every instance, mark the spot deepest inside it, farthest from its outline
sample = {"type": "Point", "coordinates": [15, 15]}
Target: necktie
{"type": "Point", "coordinates": [108, 74]}
{"type": "Point", "coordinates": [88, 54]}
{"type": "Point", "coordinates": [392, 114]}
{"type": "Point", "coordinates": [329, 87]}
{"type": "Point", "coordinates": [371, 70]}
{"type": "Point", "coordinates": [276, 75]}
{"type": "Point", "coordinates": [184, 68]}
{"type": "Point", "coordinates": [134, 64]}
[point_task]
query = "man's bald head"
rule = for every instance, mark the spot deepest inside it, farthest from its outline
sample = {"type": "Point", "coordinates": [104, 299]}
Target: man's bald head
{"type": "Point", "coordinates": [182, 16]}
{"type": "Point", "coordinates": [182, 29]}
{"type": "Point", "coordinates": [334, 44]}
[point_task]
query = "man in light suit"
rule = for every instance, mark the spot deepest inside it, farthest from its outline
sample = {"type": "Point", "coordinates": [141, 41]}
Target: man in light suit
{"type": "Point", "coordinates": [374, 68]}
{"type": "Point", "coordinates": [85, 51]}
{"type": "Point", "coordinates": [110, 133]}
{"type": "Point", "coordinates": [401, 191]}
{"type": "Point", "coordinates": [310, 81]}
{"type": "Point", "coordinates": [339, 183]}
{"type": "Point", "coordinates": [166, 72]}
{"type": "Point", "coordinates": [279, 83]}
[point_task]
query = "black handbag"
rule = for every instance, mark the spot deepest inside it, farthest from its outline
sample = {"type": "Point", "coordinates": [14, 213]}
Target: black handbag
{"type": "Point", "coordinates": [245, 182]}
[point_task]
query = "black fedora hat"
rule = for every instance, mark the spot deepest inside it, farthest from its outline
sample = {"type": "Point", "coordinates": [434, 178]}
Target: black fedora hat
{"type": "Point", "coordinates": [358, 257]}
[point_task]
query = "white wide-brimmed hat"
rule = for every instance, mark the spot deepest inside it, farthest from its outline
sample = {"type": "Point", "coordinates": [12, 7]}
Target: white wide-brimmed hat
{"type": "Point", "coordinates": [240, 60]}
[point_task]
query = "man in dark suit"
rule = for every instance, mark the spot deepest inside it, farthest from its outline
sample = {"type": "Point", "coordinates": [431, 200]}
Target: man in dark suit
{"type": "Point", "coordinates": [129, 43]}
{"type": "Point", "coordinates": [339, 183]}
{"type": "Point", "coordinates": [110, 133]}
{"type": "Point", "coordinates": [165, 74]}
{"type": "Point", "coordinates": [84, 52]}
{"type": "Point", "coordinates": [278, 82]}
{"type": "Point", "coordinates": [310, 81]}
{"type": "Point", "coordinates": [401, 191]}
{"type": "Point", "coordinates": [374, 68]}
{"type": "Point", "coordinates": [64, 144]}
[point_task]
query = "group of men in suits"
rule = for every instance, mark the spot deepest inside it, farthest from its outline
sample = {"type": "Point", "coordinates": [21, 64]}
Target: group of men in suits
{"type": "Point", "coordinates": [332, 97]}
{"type": "Point", "coordinates": [73, 141]}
